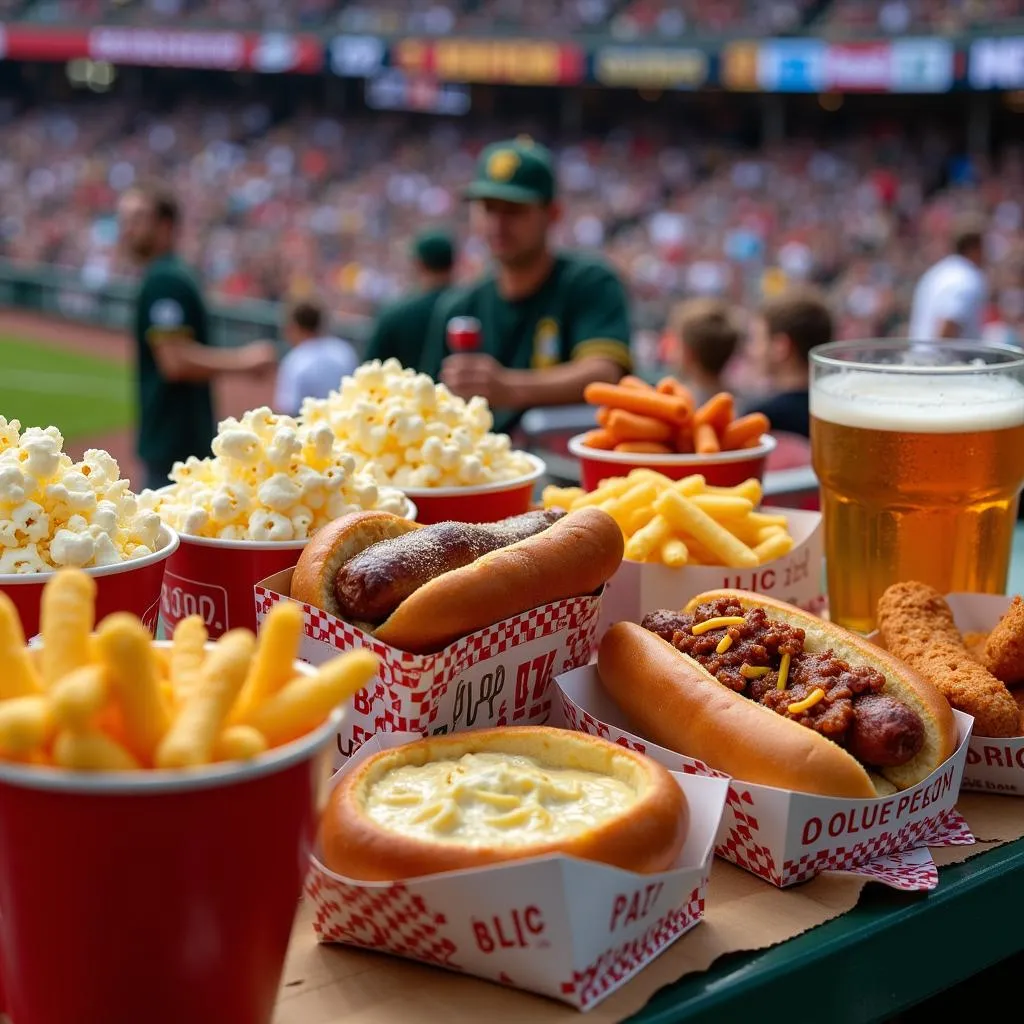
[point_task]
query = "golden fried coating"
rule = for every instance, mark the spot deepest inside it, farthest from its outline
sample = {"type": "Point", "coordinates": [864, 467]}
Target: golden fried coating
{"type": "Point", "coordinates": [917, 626]}
{"type": "Point", "coordinates": [975, 644]}
{"type": "Point", "coordinates": [1004, 651]}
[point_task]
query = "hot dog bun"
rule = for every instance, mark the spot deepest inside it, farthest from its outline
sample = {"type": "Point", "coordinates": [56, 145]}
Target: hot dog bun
{"type": "Point", "coordinates": [574, 556]}
{"type": "Point", "coordinates": [677, 703]}
{"type": "Point", "coordinates": [332, 546]}
{"type": "Point", "coordinates": [645, 835]}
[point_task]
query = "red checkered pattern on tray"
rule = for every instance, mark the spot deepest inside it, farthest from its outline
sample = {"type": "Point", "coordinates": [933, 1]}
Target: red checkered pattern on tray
{"type": "Point", "coordinates": [617, 965]}
{"type": "Point", "coordinates": [400, 703]}
{"type": "Point", "coordinates": [382, 918]}
{"type": "Point", "coordinates": [908, 877]}
{"type": "Point", "coordinates": [927, 832]}
{"type": "Point", "coordinates": [740, 845]}
{"type": "Point", "coordinates": [584, 721]}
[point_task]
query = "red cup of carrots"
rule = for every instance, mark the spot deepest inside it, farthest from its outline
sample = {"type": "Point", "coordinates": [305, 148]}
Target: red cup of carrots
{"type": "Point", "coordinates": [661, 427]}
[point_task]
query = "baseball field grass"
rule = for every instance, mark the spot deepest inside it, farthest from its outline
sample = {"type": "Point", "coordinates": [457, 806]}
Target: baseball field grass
{"type": "Point", "coordinates": [82, 395]}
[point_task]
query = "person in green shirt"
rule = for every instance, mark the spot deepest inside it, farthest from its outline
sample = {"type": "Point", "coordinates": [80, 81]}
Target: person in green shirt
{"type": "Point", "coordinates": [551, 322]}
{"type": "Point", "coordinates": [400, 331]}
{"type": "Point", "coordinates": [175, 359]}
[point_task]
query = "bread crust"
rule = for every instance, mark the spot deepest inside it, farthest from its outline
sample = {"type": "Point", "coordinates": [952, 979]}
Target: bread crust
{"type": "Point", "coordinates": [333, 545]}
{"type": "Point", "coordinates": [647, 837]}
{"type": "Point", "coordinates": [674, 701]}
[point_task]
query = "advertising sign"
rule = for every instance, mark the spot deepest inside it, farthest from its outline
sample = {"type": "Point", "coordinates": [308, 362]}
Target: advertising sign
{"type": "Point", "coordinates": [792, 65]}
{"type": "Point", "coordinates": [505, 61]}
{"type": "Point", "coordinates": [651, 67]}
{"type": "Point", "coordinates": [997, 63]}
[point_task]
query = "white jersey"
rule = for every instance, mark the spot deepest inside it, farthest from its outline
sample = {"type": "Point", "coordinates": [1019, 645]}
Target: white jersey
{"type": "Point", "coordinates": [953, 289]}
{"type": "Point", "coordinates": [311, 370]}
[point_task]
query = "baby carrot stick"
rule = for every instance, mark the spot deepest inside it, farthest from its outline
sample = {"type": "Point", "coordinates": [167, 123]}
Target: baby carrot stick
{"type": "Point", "coordinates": [716, 411]}
{"type": "Point", "coordinates": [630, 381]}
{"type": "Point", "coordinates": [705, 440]}
{"type": "Point", "coordinates": [599, 439]}
{"type": "Point", "coordinates": [628, 426]}
{"type": "Point", "coordinates": [644, 447]}
{"type": "Point", "coordinates": [671, 386]}
{"type": "Point", "coordinates": [744, 429]}
{"type": "Point", "coordinates": [646, 403]}
{"type": "Point", "coordinates": [602, 416]}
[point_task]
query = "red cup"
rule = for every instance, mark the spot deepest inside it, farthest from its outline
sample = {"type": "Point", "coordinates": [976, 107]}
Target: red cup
{"type": "Point", "coordinates": [156, 896]}
{"type": "Point", "coordinates": [722, 469]}
{"type": "Point", "coordinates": [132, 586]}
{"type": "Point", "coordinates": [484, 504]}
{"type": "Point", "coordinates": [215, 579]}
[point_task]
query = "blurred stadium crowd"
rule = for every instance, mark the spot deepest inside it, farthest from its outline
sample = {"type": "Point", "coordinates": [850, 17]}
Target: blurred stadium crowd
{"type": "Point", "coordinates": [306, 205]}
{"type": "Point", "coordinates": [623, 19]}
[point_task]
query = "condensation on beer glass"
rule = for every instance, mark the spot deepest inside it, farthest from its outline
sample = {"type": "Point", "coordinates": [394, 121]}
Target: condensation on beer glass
{"type": "Point", "coordinates": [919, 450]}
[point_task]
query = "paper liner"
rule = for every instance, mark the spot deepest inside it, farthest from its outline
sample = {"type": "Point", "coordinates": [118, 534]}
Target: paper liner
{"type": "Point", "coordinates": [501, 675]}
{"type": "Point", "coordinates": [566, 928]}
{"type": "Point", "coordinates": [786, 837]}
{"type": "Point", "coordinates": [994, 764]}
{"type": "Point", "coordinates": [797, 577]}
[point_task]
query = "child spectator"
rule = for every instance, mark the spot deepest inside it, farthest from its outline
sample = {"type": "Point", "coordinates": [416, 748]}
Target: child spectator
{"type": "Point", "coordinates": [709, 334]}
{"type": "Point", "coordinates": [316, 362]}
{"type": "Point", "coordinates": [781, 339]}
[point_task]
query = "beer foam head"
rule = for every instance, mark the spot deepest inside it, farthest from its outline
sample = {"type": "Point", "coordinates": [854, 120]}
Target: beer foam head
{"type": "Point", "coordinates": [927, 403]}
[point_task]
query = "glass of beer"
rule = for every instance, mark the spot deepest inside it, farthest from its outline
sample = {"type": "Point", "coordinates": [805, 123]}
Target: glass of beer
{"type": "Point", "coordinates": [919, 450]}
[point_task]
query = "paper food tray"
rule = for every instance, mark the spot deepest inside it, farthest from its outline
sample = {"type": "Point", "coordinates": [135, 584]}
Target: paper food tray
{"type": "Point", "coordinates": [565, 928]}
{"type": "Point", "coordinates": [501, 675]}
{"type": "Point", "coordinates": [786, 837]}
{"type": "Point", "coordinates": [641, 587]}
{"type": "Point", "coordinates": [994, 764]}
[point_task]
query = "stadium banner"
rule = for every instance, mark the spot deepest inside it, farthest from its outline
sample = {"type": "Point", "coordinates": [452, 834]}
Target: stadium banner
{"type": "Point", "coordinates": [737, 66]}
{"type": "Point", "coordinates": [651, 67]}
{"type": "Point", "coordinates": [791, 65]}
{"type": "Point", "coordinates": [392, 89]}
{"type": "Point", "coordinates": [271, 52]}
{"type": "Point", "coordinates": [922, 65]}
{"type": "Point", "coordinates": [494, 61]}
{"type": "Point", "coordinates": [996, 63]}
{"type": "Point", "coordinates": [357, 56]}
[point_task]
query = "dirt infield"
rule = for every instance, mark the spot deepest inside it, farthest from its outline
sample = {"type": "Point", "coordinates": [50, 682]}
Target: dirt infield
{"type": "Point", "coordinates": [233, 396]}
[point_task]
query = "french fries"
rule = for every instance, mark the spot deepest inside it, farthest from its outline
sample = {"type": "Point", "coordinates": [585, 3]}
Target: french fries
{"type": "Point", "coordinates": [111, 701]}
{"type": "Point", "coordinates": [684, 522]}
{"type": "Point", "coordinates": [634, 417]}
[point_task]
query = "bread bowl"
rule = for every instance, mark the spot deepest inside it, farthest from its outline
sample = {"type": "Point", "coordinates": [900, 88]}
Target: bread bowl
{"type": "Point", "coordinates": [496, 795]}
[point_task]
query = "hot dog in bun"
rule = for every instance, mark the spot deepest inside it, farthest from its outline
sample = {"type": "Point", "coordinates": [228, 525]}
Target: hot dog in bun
{"type": "Point", "coordinates": [773, 695]}
{"type": "Point", "coordinates": [418, 588]}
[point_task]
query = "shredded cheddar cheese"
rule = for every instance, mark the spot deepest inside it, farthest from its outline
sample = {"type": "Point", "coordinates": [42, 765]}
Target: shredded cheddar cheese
{"type": "Point", "coordinates": [753, 671]}
{"type": "Point", "coordinates": [816, 696]}
{"type": "Point", "coordinates": [724, 644]}
{"type": "Point", "coordinates": [784, 672]}
{"type": "Point", "coordinates": [717, 623]}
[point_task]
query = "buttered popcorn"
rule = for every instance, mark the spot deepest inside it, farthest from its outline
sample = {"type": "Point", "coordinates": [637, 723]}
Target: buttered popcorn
{"type": "Point", "coordinates": [56, 512]}
{"type": "Point", "coordinates": [410, 432]}
{"type": "Point", "coordinates": [269, 479]}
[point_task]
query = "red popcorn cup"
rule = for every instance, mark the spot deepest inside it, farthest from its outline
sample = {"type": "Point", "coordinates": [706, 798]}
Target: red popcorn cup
{"type": "Point", "coordinates": [215, 579]}
{"type": "Point", "coordinates": [132, 586]}
{"type": "Point", "coordinates": [722, 469]}
{"type": "Point", "coordinates": [156, 896]}
{"type": "Point", "coordinates": [486, 503]}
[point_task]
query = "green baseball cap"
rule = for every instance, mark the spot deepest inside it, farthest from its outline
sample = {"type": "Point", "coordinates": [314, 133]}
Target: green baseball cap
{"type": "Point", "coordinates": [521, 171]}
{"type": "Point", "coordinates": [434, 249]}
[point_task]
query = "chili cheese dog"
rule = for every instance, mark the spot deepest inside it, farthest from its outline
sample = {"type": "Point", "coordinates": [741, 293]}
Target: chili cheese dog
{"type": "Point", "coordinates": [418, 588]}
{"type": "Point", "coordinates": [772, 695]}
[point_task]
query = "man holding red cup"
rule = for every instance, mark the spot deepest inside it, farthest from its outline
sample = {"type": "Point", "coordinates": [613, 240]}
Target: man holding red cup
{"type": "Point", "coordinates": [544, 324]}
